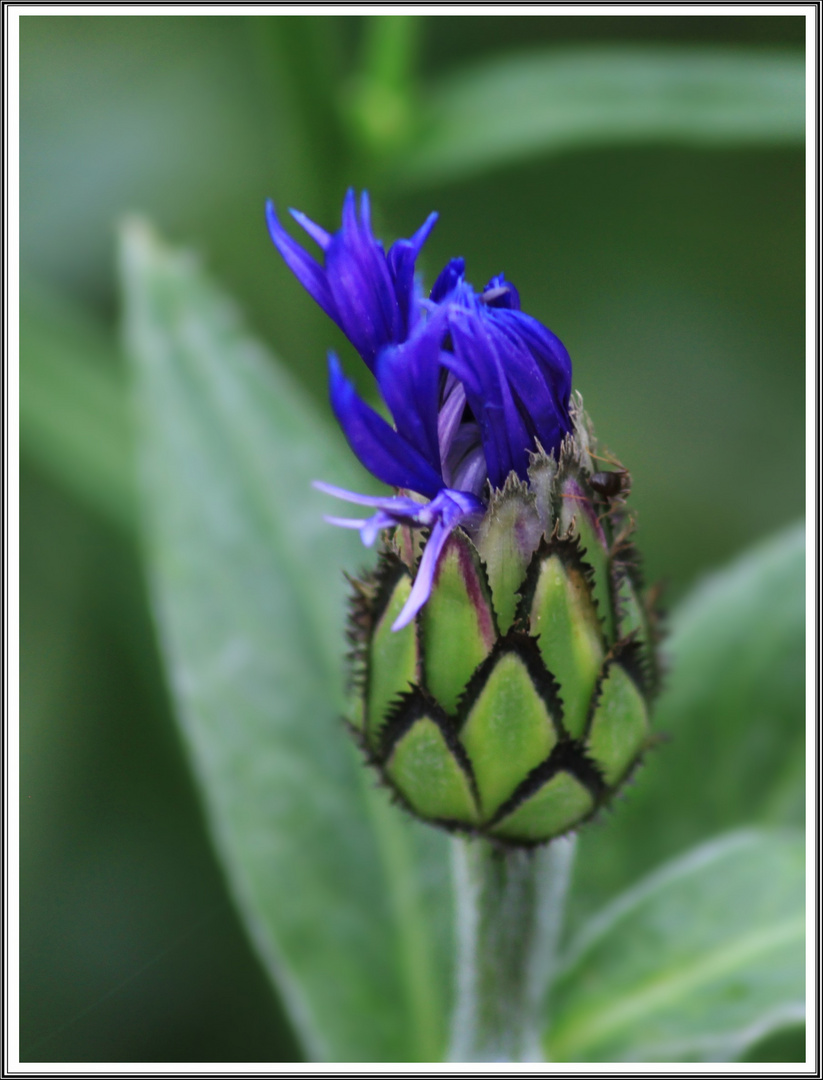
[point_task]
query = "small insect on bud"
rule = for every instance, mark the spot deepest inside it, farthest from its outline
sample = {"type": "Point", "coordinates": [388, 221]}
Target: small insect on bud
{"type": "Point", "coordinates": [609, 484]}
{"type": "Point", "coordinates": [503, 657]}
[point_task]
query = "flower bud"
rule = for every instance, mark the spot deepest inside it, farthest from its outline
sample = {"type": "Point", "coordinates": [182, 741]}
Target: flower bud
{"type": "Point", "coordinates": [516, 703]}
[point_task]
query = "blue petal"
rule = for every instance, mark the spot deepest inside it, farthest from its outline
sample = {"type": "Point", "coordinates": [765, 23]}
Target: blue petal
{"type": "Point", "coordinates": [547, 349]}
{"type": "Point", "coordinates": [307, 271]}
{"type": "Point", "coordinates": [396, 504]}
{"type": "Point", "coordinates": [506, 440]}
{"type": "Point", "coordinates": [536, 396]}
{"type": "Point", "coordinates": [318, 234]}
{"type": "Point", "coordinates": [450, 414]}
{"type": "Point", "coordinates": [465, 466]}
{"type": "Point", "coordinates": [447, 510]}
{"type": "Point", "coordinates": [383, 451]}
{"type": "Point", "coordinates": [372, 297]}
{"type": "Point", "coordinates": [360, 282]}
{"type": "Point", "coordinates": [447, 279]}
{"type": "Point", "coordinates": [500, 293]}
{"type": "Point", "coordinates": [409, 379]}
{"type": "Point", "coordinates": [402, 257]}
{"type": "Point", "coordinates": [463, 370]}
{"type": "Point", "coordinates": [422, 588]}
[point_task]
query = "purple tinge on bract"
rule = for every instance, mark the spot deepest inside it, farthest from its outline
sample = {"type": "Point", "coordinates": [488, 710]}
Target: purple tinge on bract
{"type": "Point", "coordinates": [441, 514]}
{"type": "Point", "coordinates": [473, 383]}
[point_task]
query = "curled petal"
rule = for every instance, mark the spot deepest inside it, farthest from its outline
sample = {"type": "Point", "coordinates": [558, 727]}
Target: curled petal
{"type": "Point", "coordinates": [447, 510]}
{"type": "Point", "coordinates": [369, 528]}
{"type": "Point", "coordinates": [383, 451]}
{"type": "Point", "coordinates": [422, 588]}
{"type": "Point", "coordinates": [400, 504]}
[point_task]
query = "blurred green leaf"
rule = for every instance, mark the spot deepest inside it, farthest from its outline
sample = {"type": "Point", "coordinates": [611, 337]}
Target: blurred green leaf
{"type": "Point", "coordinates": [505, 109]}
{"type": "Point", "coordinates": [732, 715]}
{"type": "Point", "coordinates": [785, 1044]}
{"type": "Point", "coordinates": [343, 898]}
{"type": "Point", "coordinates": [74, 419]}
{"type": "Point", "coordinates": [697, 962]}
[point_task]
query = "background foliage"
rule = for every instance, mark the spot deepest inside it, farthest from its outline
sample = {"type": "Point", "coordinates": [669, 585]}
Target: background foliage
{"type": "Point", "coordinates": [662, 240]}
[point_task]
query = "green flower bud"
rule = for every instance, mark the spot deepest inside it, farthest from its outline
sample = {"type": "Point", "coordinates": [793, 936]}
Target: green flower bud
{"type": "Point", "coordinates": [516, 703]}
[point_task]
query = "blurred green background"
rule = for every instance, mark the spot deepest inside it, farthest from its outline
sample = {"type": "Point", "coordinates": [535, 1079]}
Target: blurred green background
{"type": "Point", "coordinates": [670, 265]}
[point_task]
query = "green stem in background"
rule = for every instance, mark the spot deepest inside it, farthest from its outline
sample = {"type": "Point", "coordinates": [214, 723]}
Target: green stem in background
{"type": "Point", "coordinates": [509, 916]}
{"type": "Point", "coordinates": [390, 50]}
{"type": "Point", "coordinates": [381, 105]}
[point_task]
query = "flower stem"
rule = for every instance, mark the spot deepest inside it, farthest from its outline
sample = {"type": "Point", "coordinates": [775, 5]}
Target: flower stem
{"type": "Point", "coordinates": [509, 916]}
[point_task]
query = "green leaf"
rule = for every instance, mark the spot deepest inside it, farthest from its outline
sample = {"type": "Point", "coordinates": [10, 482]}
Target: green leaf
{"type": "Point", "coordinates": [74, 418]}
{"type": "Point", "coordinates": [697, 962]}
{"type": "Point", "coordinates": [506, 109]}
{"type": "Point", "coordinates": [786, 1044]}
{"type": "Point", "coordinates": [341, 895]}
{"type": "Point", "coordinates": [732, 719]}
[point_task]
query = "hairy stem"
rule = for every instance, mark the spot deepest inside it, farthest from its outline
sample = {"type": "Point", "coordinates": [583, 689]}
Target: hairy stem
{"type": "Point", "coordinates": [509, 916]}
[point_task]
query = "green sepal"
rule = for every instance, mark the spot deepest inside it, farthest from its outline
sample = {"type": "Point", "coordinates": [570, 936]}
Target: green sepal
{"type": "Point", "coordinates": [508, 536]}
{"type": "Point", "coordinates": [457, 623]}
{"type": "Point", "coordinates": [408, 544]}
{"type": "Point", "coordinates": [579, 445]}
{"type": "Point", "coordinates": [358, 631]}
{"type": "Point", "coordinates": [635, 621]}
{"type": "Point", "coordinates": [555, 807]}
{"type": "Point", "coordinates": [619, 728]}
{"type": "Point", "coordinates": [578, 518]}
{"type": "Point", "coordinates": [631, 618]}
{"type": "Point", "coordinates": [558, 604]}
{"type": "Point", "coordinates": [393, 657]}
{"type": "Point", "coordinates": [510, 724]}
{"type": "Point", "coordinates": [542, 473]}
{"type": "Point", "coordinates": [426, 765]}
{"type": "Point", "coordinates": [355, 708]}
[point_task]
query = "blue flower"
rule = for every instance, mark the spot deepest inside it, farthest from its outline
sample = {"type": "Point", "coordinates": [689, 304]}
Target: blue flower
{"type": "Point", "coordinates": [369, 294]}
{"type": "Point", "coordinates": [473, 383]}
